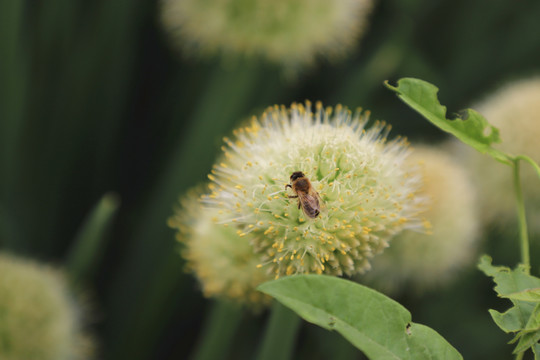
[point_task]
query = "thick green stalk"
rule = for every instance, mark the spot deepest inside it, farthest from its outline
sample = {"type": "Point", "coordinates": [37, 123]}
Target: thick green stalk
{"type": "Point", "coordinates": [218, 332]}
{"type": "Point", "coordinates": [280, 335]}
{"type": "Point", "coordinates": [524, 239]}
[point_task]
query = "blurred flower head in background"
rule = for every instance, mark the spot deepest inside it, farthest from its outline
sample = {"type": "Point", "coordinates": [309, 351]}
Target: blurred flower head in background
{"type": "Point", "coordinates": [223, 261]}
{"type": "Point", "coordinates": [367, 194]}
{"type": "Point", "coordinates": [39, 319]}
{"type": "Point", "coordinates": [420, 261]}
{"type": "Point", "coordinates": [289, 32]}
{"type": "Point", "coordinates": [515, 110]}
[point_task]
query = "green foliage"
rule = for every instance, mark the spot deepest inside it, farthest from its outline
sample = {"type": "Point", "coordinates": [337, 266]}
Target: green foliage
{"type": "Point", "coordinates": [523, 318]}
{"type": "Point", "coordinates": [89, 243]}
{"type": "Point", "coordinates": [470, 127]}
{"type": "Point", "coordinates": [374, 323]}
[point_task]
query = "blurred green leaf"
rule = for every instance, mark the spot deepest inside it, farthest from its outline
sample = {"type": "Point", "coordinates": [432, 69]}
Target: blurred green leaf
{"type": "Point", "coordinates": [374, 323]}
{"type": "Point", "coordinates": [88, 244]}
{"type": "Point", "coordinates": [470, 127]}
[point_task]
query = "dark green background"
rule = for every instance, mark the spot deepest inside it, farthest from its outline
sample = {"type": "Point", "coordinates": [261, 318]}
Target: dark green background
{"type": "Point", "coordinates": [94, 100]}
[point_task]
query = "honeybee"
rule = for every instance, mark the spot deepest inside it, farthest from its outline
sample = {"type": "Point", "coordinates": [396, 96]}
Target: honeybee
{"type": "Point", "coordinates": [308, 198]}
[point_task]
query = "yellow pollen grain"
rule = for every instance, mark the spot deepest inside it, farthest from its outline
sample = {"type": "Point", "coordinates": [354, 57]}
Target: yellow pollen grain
{"type": "Point", "coordinates": [277, 216]}
{"type": "Point", "coordinates": [269, 230]}
{"type": "Point", "coordinates": [259, 266]}
{"type": "Point", "coordinates": [211, 177]}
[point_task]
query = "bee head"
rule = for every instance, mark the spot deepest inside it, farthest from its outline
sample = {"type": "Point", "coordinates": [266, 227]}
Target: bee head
{"type": "Point", "coordinates": [296, 175]}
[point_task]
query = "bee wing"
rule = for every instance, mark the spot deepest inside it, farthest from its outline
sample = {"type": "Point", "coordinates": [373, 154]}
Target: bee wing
{"type": "Point", "coordinates": [310, 203]}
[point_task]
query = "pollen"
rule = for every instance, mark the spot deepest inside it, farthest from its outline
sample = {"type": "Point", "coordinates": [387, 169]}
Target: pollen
{"type": "Point", "coordinates": [362, 179]}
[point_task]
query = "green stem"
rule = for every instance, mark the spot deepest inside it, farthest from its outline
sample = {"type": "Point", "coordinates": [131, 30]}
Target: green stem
{"type": "Point", "coordinates": [278, 342]}
{"type": "Point", "coordinates": [218, 332]}
{"type": "Point", "coordinates": [530, 161]}
{"type": "Point", "coordinates": [524, 239]}
{"type": "Point", "coordinates": [519, 356]}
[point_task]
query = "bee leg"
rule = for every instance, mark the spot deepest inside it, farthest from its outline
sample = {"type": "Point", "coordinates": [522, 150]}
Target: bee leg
{"type": "Point", "coordinates": [299, 205]}
{"type": "Point", "coordinates": [292, 196]}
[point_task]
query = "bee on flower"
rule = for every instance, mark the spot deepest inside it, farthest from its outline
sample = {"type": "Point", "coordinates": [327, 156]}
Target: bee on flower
{"type": "Point", "coordinates": [355, 192]}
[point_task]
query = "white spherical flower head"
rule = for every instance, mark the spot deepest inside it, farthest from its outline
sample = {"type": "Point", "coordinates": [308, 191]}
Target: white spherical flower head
{"type": "Point", "coordinates": [425, 260]}
{"type": "Point", "coordinates": [284, 31]}
{"type": "Point", "coordinates": [515, 111]}
{"type": "Point", "coordinates": [223, 262]}
{"type": "Point", "coordinates": [365, 192]}
{"type": "Point", "coordinates": [38, 317]}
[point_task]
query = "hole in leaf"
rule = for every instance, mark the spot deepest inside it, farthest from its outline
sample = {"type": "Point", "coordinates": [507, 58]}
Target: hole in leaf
{"type": "Point", "coordinates": [408, 329]}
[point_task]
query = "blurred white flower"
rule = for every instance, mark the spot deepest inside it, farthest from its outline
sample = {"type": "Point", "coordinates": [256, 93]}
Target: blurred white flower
{"type": "Point", "coordinates": [224, 262]}
{"type": "Point", "coordinates": [515, 111]}
{"type": "Point", "coordinates": [289, 32]}
{"type": "Point", "coordinates": [38, 318]}
{"type": "Point", "coordinates": [422, 260]}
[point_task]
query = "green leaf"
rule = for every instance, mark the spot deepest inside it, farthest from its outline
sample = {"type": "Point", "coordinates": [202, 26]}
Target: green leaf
{"type": "Point", "coordinates": [470, 127]}
{"type": "Point", "coordinates": [89, 243]}
{"type": "Point", "coordinates": [372, 322]}
{"type": "Point", "coordinates": [534, 321]}
{"type": "Point", "coordinates": [509, 282]}
{"type": "Point", "coordinates": [509, 321]}
{"type": "Point", "coordinates": [536, 351]}
{"type": "Point", "coordinates": [532, 295]}
{"type": "Point", "coordinates": [524, 317]}
{"type": "Point", "coordinates": [526, 341]}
